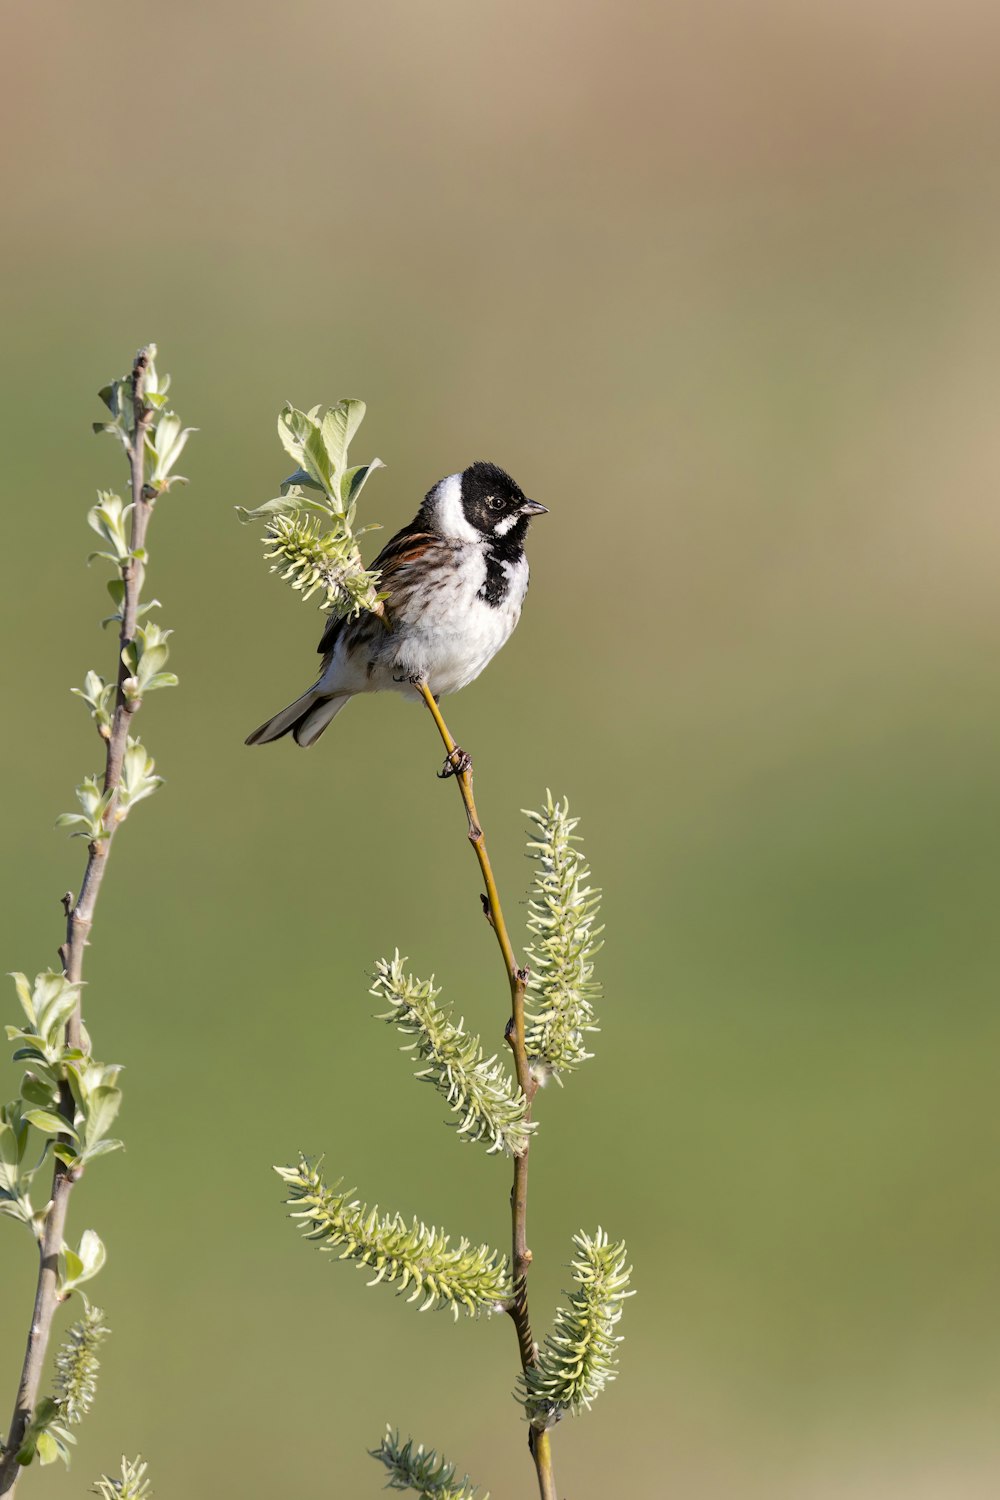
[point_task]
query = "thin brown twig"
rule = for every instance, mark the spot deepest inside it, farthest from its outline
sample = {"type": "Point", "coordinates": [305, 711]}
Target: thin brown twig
{"type": "Point", "coordinates": [79, 919]}
{"type": "Point", "coordinates": [458, 765]}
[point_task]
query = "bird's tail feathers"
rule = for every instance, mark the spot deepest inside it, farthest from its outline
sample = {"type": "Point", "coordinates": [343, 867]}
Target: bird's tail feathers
{"type": "Point", "coordinates": [304, 720]}
{"type": "Point", "coordinates": [312, 724]}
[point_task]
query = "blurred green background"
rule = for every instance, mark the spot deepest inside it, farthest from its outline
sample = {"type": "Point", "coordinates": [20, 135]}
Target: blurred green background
{"type": "Point", "coordinates": [719, 285]}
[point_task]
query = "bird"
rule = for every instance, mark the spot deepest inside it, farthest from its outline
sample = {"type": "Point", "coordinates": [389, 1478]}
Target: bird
{"type": "Point", "coordinates": [454, 581]}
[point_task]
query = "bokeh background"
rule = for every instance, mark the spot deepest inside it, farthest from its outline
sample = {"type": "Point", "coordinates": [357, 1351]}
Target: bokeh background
{"type": "Point", "coordinates": [721, 286]}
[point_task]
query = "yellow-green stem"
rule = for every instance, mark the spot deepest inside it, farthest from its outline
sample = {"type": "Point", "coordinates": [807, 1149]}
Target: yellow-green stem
{"type": "Point", "coordinates": [539, 1443]}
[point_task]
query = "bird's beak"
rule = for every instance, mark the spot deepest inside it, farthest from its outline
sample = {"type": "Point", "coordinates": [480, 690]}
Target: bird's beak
{"type": "Point", "coordinates": [532, 508]}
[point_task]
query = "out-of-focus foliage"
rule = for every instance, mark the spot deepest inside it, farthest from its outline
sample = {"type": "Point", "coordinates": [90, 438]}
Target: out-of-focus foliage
{"type": "Point", "coordinates": [130, 1483]}
{"type": "Point", "coordinates": [412, 1467]}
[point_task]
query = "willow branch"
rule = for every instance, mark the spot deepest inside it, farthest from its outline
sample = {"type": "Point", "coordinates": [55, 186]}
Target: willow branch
{"type": "Point", "coordinates": [79, 919]}
{"type": "Point", "coordinates": [458, 765]}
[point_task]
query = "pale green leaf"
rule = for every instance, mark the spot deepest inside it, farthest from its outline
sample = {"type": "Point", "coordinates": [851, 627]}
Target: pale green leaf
{"type": "Point", "coordinates": [49, 1122]}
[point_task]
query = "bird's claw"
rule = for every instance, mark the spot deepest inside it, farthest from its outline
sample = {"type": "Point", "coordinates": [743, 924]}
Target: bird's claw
{"type": "Point", "coordinates": [457, 763]}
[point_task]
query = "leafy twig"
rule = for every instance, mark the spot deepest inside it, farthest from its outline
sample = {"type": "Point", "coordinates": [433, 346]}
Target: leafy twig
{"type": "Point", "coordinates": [85, 1094]}
{"type": "Point", "coordinates": [304, 554]}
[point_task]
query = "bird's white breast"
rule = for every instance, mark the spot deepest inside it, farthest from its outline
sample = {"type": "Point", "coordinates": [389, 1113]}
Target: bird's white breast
{"type": "Point", "coordinates": [445, 632]}
{"type": "Point", "coordinates": [462, 633]}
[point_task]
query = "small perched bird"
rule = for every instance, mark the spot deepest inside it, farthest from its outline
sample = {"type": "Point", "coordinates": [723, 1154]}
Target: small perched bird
{"type": "Point", "coordinates": [455, 581]}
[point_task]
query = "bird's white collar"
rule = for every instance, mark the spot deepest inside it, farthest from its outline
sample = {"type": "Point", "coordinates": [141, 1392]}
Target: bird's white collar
{"type": "Point", "coordinates": [448, 512]}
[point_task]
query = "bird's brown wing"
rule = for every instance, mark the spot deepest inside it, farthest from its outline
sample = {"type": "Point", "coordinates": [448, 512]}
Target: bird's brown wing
{"type": "Point", "coordinates": [404, 548]}
{"type": "Point", "coordinates": [393, 562]}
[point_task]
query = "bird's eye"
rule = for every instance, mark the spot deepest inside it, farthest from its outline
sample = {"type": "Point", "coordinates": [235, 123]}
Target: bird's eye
{"type": "Point", "coordinates": [495, 502]}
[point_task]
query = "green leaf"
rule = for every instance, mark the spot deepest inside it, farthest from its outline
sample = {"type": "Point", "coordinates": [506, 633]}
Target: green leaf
{"type": "Point", "coordinates": [117, 397]}
{"type": "Point", "coordinates": [71, 820]}
{"type": "Point", "coordinates": [13, 1145]}
{"type": "Point", "coordinates": [25, 1053]}
{"type": "Point", "coordinates": [285, 505]}
{"type": "Point", "coordinates": [49, 1122]}
{"type": "Point", "coordinates": [24, 995]}
{"type": "Point", "coordinates": [295, 429]}
{"type": "Point", "coordinates": [161, 680]}
{"type": "Point", "coordinates": [108, 518]}
{"type": "Point", "coordinates": [47, 1435]}
{"type": "Point", "coordinates": [21, 1211]}
{"type": "Point", "coordinates": [317, 461]}
{"type": "Point", "coordinates": [80, 1266]}
{"type": "Point", "coordinates": [101, 1148]}
{"type": "Point", "coordinates": [298, 480]}
{"type": "Point", "coordinates": [13, 1035]}
{"type": "Point", "coordinates": [37, 1091]}
{"type": "Point", "coordinates": [355, 479]}
{"type": "Point", "coordinates": [95, 803]}
{"type": "Point", "coordinates": [103, 1105]}
{"type": "Point", "coordinates": [48, 1450]}
{"type": "Point", "coordinates": [278, 506]}
{"type": "Point", "coordinates": [167, 442]}
{"type": "Point", "coordinates": [56, 1001]}
{"type": "Point", "coordinates": [319, 444]}
{"type": "Point", "coordinates": [339, 425]}
{"type": "Point", "coordinates": [10, 1146]}
{"type": "Point", "coordinates": [138, 780]}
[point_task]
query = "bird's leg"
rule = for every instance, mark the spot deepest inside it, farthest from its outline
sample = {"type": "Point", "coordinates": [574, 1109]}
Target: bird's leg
{"type": "Point", "coordinates": [456, 763]}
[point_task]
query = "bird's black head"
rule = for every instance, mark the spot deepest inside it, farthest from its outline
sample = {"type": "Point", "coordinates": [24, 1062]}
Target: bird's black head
{"type": "Point", "coordinates": [496, 506]}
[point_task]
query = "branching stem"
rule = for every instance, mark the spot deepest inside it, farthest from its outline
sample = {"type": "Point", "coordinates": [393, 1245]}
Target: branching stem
{"type": "Point", "coordinates": [517, 978]}
{"type": "Point", "coordinates": [79, 919]}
